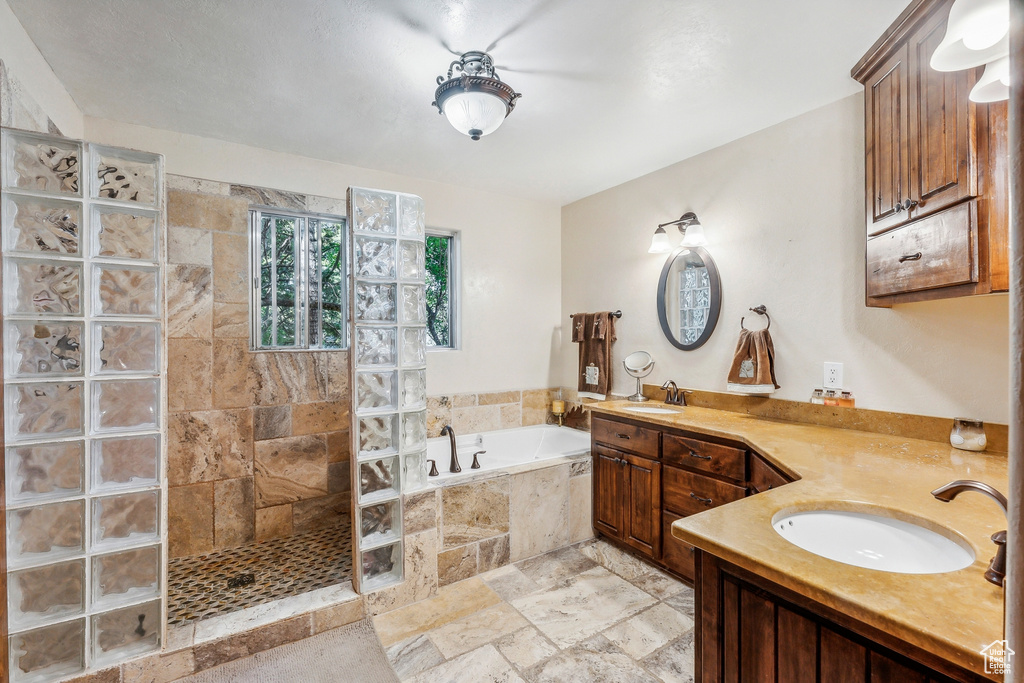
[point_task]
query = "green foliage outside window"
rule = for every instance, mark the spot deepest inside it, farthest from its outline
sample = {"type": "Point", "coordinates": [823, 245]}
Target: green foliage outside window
{"type": "Point", "coordinates": [439, 300]}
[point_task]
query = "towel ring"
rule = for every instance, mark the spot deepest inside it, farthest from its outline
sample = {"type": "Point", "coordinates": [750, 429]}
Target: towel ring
{"type": "Point", "coordinates": [760, 310]}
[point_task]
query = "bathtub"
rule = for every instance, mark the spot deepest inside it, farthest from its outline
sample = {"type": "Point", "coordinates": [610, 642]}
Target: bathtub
{"type": "Point", "coordinates": [506, 450]}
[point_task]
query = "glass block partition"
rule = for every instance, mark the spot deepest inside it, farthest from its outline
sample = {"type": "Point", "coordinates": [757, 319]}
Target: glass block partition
{"type": "Point", "coordinates": [389, 393]}
{"type": "Point", "coordinates": [83, 311]}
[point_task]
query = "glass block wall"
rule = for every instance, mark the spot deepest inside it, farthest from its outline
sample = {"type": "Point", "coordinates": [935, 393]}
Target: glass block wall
{"type": "Point", "coordinates": [389, 370]}
{"type": "Point", "coordinates": [82, 318]}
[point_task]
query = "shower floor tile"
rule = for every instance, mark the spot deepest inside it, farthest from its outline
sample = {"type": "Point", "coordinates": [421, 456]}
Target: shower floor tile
{"type": "Point", "coordinates": [198, 585]}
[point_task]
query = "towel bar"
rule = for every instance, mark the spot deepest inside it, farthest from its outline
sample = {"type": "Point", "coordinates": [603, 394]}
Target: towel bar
{"type": "Point", "coordinates": [616, 314]}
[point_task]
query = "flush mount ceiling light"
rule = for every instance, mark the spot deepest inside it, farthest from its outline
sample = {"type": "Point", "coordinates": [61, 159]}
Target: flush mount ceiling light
{"type": "Point", "coordinates": [472, 97]}
{"type": "Point", "coordinates": [977, 32]}
{"type": "Point", "coordinates": [689, 226]}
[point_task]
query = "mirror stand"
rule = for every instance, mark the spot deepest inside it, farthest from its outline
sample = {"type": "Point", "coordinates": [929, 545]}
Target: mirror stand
{"type": "Point", "coordinates": [638, 364]}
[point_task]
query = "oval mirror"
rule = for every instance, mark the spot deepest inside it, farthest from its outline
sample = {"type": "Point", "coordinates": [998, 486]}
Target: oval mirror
{"type": "Point", "coordinates": [638, 363]}
{"type": "Point", "coordinates": [689, 297]}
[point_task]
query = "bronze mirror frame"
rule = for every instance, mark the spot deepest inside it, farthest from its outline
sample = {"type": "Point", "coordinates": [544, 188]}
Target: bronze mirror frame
{"type": "Point", "coordinates": [716, 298]}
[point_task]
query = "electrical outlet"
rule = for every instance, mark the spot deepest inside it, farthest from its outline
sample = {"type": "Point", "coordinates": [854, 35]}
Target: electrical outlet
{"type": "Point", "coordinates": [833, 376]}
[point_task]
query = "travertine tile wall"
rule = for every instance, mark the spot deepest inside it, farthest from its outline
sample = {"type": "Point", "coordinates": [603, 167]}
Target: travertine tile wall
{"type": "Point", "coordinates": [485, 412]}
{"type": "Point", "coordinates": [257, 442]}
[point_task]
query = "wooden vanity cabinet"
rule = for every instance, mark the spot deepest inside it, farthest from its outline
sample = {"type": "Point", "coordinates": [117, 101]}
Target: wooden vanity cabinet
{"type": "Point", "coordinates": [627, 498]}
{"type": "Point", "coordinates": [936, 170]}
{"type": "Point", "coordinates": [646, 477]}
{"type": "Point", "coordinates": [749, 629]}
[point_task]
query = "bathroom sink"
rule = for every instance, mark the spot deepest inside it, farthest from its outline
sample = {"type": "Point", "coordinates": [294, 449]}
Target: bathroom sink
{"type": "Point", "coordinates": [650, 411]}
{"type": "Point", "coordinates": [873, 541]}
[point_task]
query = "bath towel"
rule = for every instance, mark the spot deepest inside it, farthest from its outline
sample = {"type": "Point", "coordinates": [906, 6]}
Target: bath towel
{"type": "Point", "coordinates": [753, 365]}
{"type": "Point", "coordinates": [595, 352]}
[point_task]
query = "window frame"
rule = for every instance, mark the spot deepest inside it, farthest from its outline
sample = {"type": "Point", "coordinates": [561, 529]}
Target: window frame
{"type": "Point", "coordinates": [454, 288]}
{"type": "Point", "coordinates": [302, 266]}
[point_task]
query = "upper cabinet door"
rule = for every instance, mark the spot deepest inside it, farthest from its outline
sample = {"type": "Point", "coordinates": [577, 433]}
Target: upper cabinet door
{"type": "Point", "coordinates": [887, 164]}
{"type": "Point", "coordinates": [942, 127]}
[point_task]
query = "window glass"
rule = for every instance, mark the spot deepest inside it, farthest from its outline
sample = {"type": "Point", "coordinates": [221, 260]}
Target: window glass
{"type": "Point", "coordinates": [441, 281]}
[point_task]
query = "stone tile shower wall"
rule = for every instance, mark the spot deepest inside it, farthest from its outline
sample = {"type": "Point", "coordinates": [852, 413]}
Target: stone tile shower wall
{"type": "Point", "coordinates": [258, 442]}
{"type": "Point", "coordinates": [469, 413]}
{"type": "Point", "coordinates": [83, 403]}
{"type": "Point", "coordinates": [386, 283]}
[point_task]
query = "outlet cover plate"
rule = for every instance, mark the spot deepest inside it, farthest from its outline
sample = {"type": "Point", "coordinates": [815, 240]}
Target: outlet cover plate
{"type": "Point", "coordinates": [833, 376]}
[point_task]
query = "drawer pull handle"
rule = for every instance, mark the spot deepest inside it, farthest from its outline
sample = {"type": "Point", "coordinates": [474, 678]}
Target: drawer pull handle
{"type": "Point", "coordinates": [694, 454]}
{"type": "Point", "coordinates": [623, 436]}
{"type": "Point", "coordinates": [622, 461]}
{"type": "Point", "coordinates": [910, 257]}
{"type": "Point", "coordinates": [706, 501]}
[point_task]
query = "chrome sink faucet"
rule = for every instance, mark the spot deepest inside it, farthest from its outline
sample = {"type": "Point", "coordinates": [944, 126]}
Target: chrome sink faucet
{"type": "Point", "coordinates": [454, 466]}
{"type": "Point", "coordinates": [673, 395]}
{"type": "Point", "coordinates": [996, 571]}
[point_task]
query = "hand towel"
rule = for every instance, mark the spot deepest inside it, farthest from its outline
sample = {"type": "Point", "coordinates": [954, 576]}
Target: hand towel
{"type": "Point", "coordinates": [578, 322]}
{"type": "Point", "coordinates": [753, 365]}
{"type": "Point", "coordinates": [595, 352]}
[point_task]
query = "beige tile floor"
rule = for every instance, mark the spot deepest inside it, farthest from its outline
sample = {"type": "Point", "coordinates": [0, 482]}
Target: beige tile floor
{"type": "Point", "coordinates": [585, 613]}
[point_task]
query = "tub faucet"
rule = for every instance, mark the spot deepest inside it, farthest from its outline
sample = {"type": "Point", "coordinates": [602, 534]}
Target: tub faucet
{"type": "Point", "coordinates": [996, 571]}
{"type": "Point", "coordinates": [454, 466]}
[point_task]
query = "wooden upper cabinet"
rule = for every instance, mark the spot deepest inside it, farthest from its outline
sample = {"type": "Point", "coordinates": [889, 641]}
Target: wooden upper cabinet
{"type": "Point", "coordinates": [943, 128]}
{"type": "Point", "coordinates": [887, 157]}
{"type": "Point", "coordinates": [935, 167]}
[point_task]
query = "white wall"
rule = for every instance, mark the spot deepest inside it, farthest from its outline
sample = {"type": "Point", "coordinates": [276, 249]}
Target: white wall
{"type": "Point", "coordinates": [35, 90]}
{"type": "Point", "coordinates": [784, 215]}
{"type": "Point", "coordinates": [510, 250]}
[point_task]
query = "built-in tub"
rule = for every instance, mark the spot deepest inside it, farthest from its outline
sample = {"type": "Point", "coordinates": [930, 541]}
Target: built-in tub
{"type": "Point", "coordinates": [506, 450]}
{"type": "Point", "coordinates": [531, 495]}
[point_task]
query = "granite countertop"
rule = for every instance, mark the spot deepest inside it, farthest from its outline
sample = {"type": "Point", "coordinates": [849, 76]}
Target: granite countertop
{"type": "Point", "coordinates": [953, 615]}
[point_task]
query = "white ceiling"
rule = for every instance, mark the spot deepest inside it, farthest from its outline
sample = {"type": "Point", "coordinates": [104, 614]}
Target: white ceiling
{"type": "Point", "coordinates": [611, 89]}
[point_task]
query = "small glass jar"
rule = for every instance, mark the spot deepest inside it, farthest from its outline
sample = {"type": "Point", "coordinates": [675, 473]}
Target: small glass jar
{"type": "Point", "coordinates": [968, 435]}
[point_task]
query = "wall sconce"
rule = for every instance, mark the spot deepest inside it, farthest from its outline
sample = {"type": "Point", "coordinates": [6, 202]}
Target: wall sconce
{"type": "Point", "coordinates": [689, 226]}
{"type": "Point", "coordinates": [977, 33]}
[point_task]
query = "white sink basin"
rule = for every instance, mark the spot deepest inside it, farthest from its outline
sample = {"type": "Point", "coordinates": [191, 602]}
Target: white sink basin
{"type": "Point", "coordinates": [650, 411]}
{"type": "Point", "coordinates": [873, 542]}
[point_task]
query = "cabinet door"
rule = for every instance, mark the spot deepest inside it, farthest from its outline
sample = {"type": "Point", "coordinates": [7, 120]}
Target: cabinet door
{"type": "Point", "coordinates": [643, 513]}
{"type": "Point", "coordinates": [943, 167]}
{"type": "Point", "coordinates": [886, 163]}
{"type": "Point", "coordinates": [609, 491]}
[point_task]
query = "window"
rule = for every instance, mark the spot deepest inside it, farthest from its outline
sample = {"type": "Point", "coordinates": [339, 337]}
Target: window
{"type": "Point", "coordinates": [298, 287]}
{"type": "Point", "coordinates": [442, 289]}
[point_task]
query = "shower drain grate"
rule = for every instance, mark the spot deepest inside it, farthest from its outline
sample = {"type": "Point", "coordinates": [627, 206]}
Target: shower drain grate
{"type": "Point", "coordinates": [240, 580]}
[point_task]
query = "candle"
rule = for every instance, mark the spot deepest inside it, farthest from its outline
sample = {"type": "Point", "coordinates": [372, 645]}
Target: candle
{"type": "Point", "coordinates": [558, 407]}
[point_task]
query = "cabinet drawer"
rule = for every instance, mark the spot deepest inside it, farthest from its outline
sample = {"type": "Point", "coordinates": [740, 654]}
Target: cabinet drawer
{"type": "Point", "coordinates": [763, 476]}
{"type": "Point", "coordinates": [676, 554]}
{"type": "Point", "coordinates": [938, 251]}
{"type": "Point", "coordinates": [626, 437]}
{"type": "Point", "coordinates": [686, 493]}
{"type": "Point", "coordinates": [702, 455]}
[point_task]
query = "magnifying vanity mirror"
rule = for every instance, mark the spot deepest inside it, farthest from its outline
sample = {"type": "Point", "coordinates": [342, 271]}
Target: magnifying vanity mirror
{"type": "Point", "coordinates": [638, 364]}
{"type": "Point", "coordinates": [689, 297]}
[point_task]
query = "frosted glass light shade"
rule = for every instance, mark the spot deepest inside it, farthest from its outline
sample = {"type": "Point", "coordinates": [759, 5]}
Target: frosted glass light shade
{"type": "Point", "coordinates": [660, 243]}
{"type": "Point", "coordinates": [994, 85]}
{"type": "Point", "coordinates": [694, 236]}
{"type": "Point", "coordinates": [475, 113]}
{"type": "Point", "coordinates": [978, 32]}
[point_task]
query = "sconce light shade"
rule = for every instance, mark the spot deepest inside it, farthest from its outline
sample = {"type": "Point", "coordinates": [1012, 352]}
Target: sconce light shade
{"type": "Point", "coordinates": [977, 32]}
{"type": "Point", "coordinates": [660, 243]}
{"type": "Point", "coordinates": [694, 235]}
{"type": "Point", "coordinates": [994, 84]}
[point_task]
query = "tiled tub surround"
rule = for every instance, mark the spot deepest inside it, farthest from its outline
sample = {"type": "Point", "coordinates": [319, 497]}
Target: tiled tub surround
{"type": "Point", "coordinates": [490, 411]}
{"type": "Point", "coordinates": [82, 234]}
{"type": "Point", "coordinates": [258, 442]}
{"type": "Point", "coordinates": [502, 518]}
